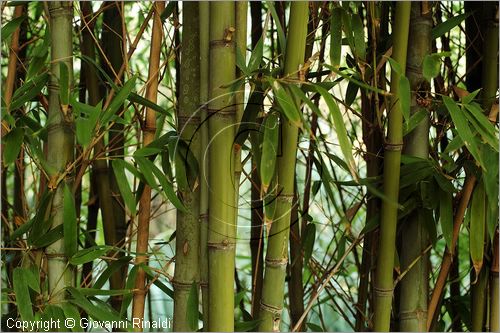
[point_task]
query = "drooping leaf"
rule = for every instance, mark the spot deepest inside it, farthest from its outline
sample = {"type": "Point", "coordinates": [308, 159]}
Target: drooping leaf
{"type": "Point", "coordinates": [28, 91]}
{"type": "Point", "coordinates": [286, 103]}
{"type": "Point", "coordinates": [482, 124]}
{"type": "Point", "coordinates": [70, 311]}
{"type": "Point", "coordinates": [340, 129]}
{"type": "Point", "coordinates": [351, 93]}
{"type": "Point", "coordinates": [256, 56]}
{"type": "Point", "coordinates": [271, 128]}
{"type": "Point", "coordinates": [49, 237]}
{"type": "Point", "coordinates": [414, 121]}
{"type": "Point", "coordinates": [112, 268]}
{"type": "Point", "coordinates": [70, 225]}
{"type": "Point", "coordinates": [446, 216]}
{"type": "Point", "coordinates": [192, 307]}
{"type": "Point", "coordinates": [431, 66]}
{"type": "Point", "coordinates": [359, 37]}
{"type": "Point", "coordinates": [477, 227]}
{"type": "Point", "coordinates": [463, 128]}
{"type": "Point", "coordinates": [11, 26]}
{"type": "Point", "coordinates": [64, 83]}
{"type": "Point", "coordinates": [246, 326]}
{"type": "Point", "coordinates": [118, 100]}
{"type": "Point", "coordinates": [123, 185]}
{"type": "Point", "coordinates": [23, 299]}
{"type": "Point", "coordinates": [12, 143]}
{"type": "Point", "coordinates": [335, 36]}
{"type": "Point", "coordinates": [308, 241]}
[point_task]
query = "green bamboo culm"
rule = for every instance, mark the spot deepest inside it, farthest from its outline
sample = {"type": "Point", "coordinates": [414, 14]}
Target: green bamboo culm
{"type": "Point", "coordinates": [415, 283]}
{"type": "Point", "coordinates": [204, 37]}
{"type": "Point", "coordinates": [494, 297]}
{"type": "Point", "coordinates": [383, 285]}
{"type": "Point", "coordinates": [222, 219]}
{"type": "Point", "coordinates": [186, 275]}
{"type": "Point", "coordinates": [277, 251]}
{"type": "Point", "coordinates": [61, 140]}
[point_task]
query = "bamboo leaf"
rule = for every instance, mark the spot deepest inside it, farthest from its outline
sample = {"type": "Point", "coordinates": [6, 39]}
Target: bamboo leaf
{"type": "Point", "coordinates": [136, 98]}
{"type": "Point", "coordinates": [50, 237]}
{"type": "Point", "coordinates": [271, 128]}
{"type": "Point", "coordinates": [351, 93]}
{"type": "Point", "coordinates": [335, 36]}
{"type": "Point", "coordinates": [447, 25]}
{"type": "Point", "coordinates": [70, 311]}
{"type": "Point", "coordinates": [70, 225]}
{"type": "Point", "coordinates": [169, 9]}
{"type": "Point", "coordinates": [405, 97]}
{"type": "Point", "coordinates": [446, 216]}
{"type": "Point", "coordinates": [12, 143]}
{"type": "Point", "coordinates": [123, 186]}
{"type": "Point", "coordinates": [87, 255]}
{"type": "Point", "coordinates": [482, 124]}
{"type": "Point", "coordinates": [21, 291]}
{"type": "Point", "coordinates": [246, 326]}
{"type": "Point", "coordinates": [11, 26]}
{"type": "Point", "coordinates": [192, 307]}
{"type": "Point", "coordinates": [359, 36]}
{"type": "Point", "coordinates": [315, 327]}
{"type": "Point", "coordinates": [104, 292]}
{"type": "Point", "coordinates": [28, 91]}
{"type": "Point", "coordinates": [127, 298]}
{"type": "Point", "coordinates": [431, 66]}
{"type": "Point", "coordinates": [414, 120]}
{"type": "Point", "coordinates": [118, 100]}
{"type": "Point", "coordinates": [463, 128]}
{"type": "Point", "coordinates": [256, 56]}
{"type": "Point", "coordinates": [340, 129]}
{"type": "Point", "coordinates": [286, 103]}
{"type": "Point", "coordinates": [477, 227]}
{"type": "Point", "coordinates": [112, 268]}
{"type": "Point", "coordinates": [279, 28]}
{"type": "Point", "coordinates": [308, 241]}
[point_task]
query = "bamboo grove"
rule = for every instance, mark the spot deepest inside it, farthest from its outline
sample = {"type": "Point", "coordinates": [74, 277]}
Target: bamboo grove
{"type": "Point", "coordinates": [249, 166]}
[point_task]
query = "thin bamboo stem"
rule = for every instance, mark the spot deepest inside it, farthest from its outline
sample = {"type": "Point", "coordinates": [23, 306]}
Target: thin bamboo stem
{"type": "Point", "coordinates": [383, 288]}
{"type": "Point", "coordinates": [187, 230]}
{"type": "Point", "coordinates": [222, 220]}
{"type": "Point", "coordinates": [60, 142]}
{"type": "Point", "coordinates": [494, 290]}
{"type": "Point", "coordinates": [148, 135]}
{"type": "Point", "coordinates": [277, 251]}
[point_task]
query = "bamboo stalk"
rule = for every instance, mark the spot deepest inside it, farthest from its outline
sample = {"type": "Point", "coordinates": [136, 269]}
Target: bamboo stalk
{"type": "Point", "coordinates": [187, 231]}
{"type": "Point", "coordinates": [479, 296]}
{"type": "Point", "coordinates": [383, 287]}
{"type": "Point", "coordinates": [60, 142]}
{"type": "Point", "coordinates": [203, 218]}
{"type": "Point", "coordinates": [465, 196]}
{"type": "Point", "coordinates": [148, 135]}
{"type": "Point", "coordinates": [415, 284]}
{"type": "Point", "coordinates": [222, 219]}
{"type": "Point", "coordinates": [494, 290]}
{"type": "Point", "coordinates": [277, 251]}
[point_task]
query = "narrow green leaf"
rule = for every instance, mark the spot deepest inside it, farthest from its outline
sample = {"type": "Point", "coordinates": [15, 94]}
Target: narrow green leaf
{"type": "Point", "coordinates": [127, 298]}
{"type": "Point", "coordinates": [112, 268]}
{"type": "Point", "coordinates": [340, 129]}
{"type": "Point", "coordinates": [11, 26]}
{"type": "Point", "coordinates": [414, 120]}
{"type": "Point", "coordinates": [192, 307]}
{"type": "Point", "coordinates": [446, 216]}
{"type": "Point", "coordinates": [477, 227]}
{"type": "Point", "coordinates": [431, 66]}
{"type": "Point", "coordinates": [169, 9]}
{"type": "Point", "coordinates": [122, 94]}
{"type": "Point", "coordinates": [449, 24]}
{"type": "Point", "coordinates": [136, 98]}
{"type": "Point", "coordinates": [28, 91]}
{"type": "Point", "coordinates": [104, 292]}
{"type": "Point", "coordinates": [49, 237]}
{"type": "Point", "coordinates": [405, 97]}
{"type": "Point", "coordinates": [123, 185]}
{"type": "Point", "coordinates": [335, 37]}
{"type": "Point", "coordinates": [359, 37]}
{"type": "Point", "coordinates": [308, 241]}
{"type": "Point", "coordinates": [167, 187]}
{"type": "Point", "coordinates": [482, 124]}
{"type": "Point", "coordinates": [279, 28]}
{"type": "Point", "coordinates": [12, 143]}
{"type": "Point", "coordinates": [269, 155]}
{"type": "Point", "coordinates": [70, 225]}
{"type": "Point", "coordinates": [351, 93]}
{"type": "Point", "coordinates": [246, 326]}
{"type": "Point", "coordinates": [70, 311]}
{"type": "Point", "coordinates": [286, 103]}
{"type": "Point", "coordinates": [256, 56]}
{"type": "Point", "coordinates": [87, 255]}
{"type": "Point", "coordinates": [462, 128]}
{"type": "Point", "coordinates": [21, 291]}
{"type": "Point", "coordinates": [315, 327]}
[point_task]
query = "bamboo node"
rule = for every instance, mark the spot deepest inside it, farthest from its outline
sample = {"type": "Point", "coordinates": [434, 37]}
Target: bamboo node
{"type": "Point", "coordinates": [281, 262]}
{"type": "Point", "coordinates": [184, 120]}
{"type": "Point", "coordinates": [388, 146]}
{"type": "Point", "coordinates": [182, 285]}
{"type": "Point", "coordinates": [383, 292]}
{"type": "Point", "coordinates": [275, 310]}
{"type": "Point", "coordinates": [225, 112]}
{"type": "Point", "coordinates": [224, 245]}
{"type": "Point", "coordinates": [285, 198]}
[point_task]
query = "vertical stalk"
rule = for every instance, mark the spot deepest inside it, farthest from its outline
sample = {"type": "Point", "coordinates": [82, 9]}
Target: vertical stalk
{"type": "Point", "coordinates": [277, 251]}
{"type": "Point", "coordinates": [203, 218]}
{"type": "Point", "coordinates": [494, 297]}
{"type": "Point", "coordinates": [60, 142]}
{"type": "Point", "coordinates": [149, 129]}
{"type": "Point", "coordinates": [222, 219]}
{"type": "Point", "coordinates": [414, 285]}
{"type": "Point", "coordinates": [478, 301]}
{"type": "Point", "coordinates": [256, 235]}
{"type": "Point", "coordinates": [187, 231]}
{"type": "Point", "coordinates": [392, 158]}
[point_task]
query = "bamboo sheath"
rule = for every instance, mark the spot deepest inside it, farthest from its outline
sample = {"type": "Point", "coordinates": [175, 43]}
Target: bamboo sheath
{"type": "Point", "coordinates": [149, 130]}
